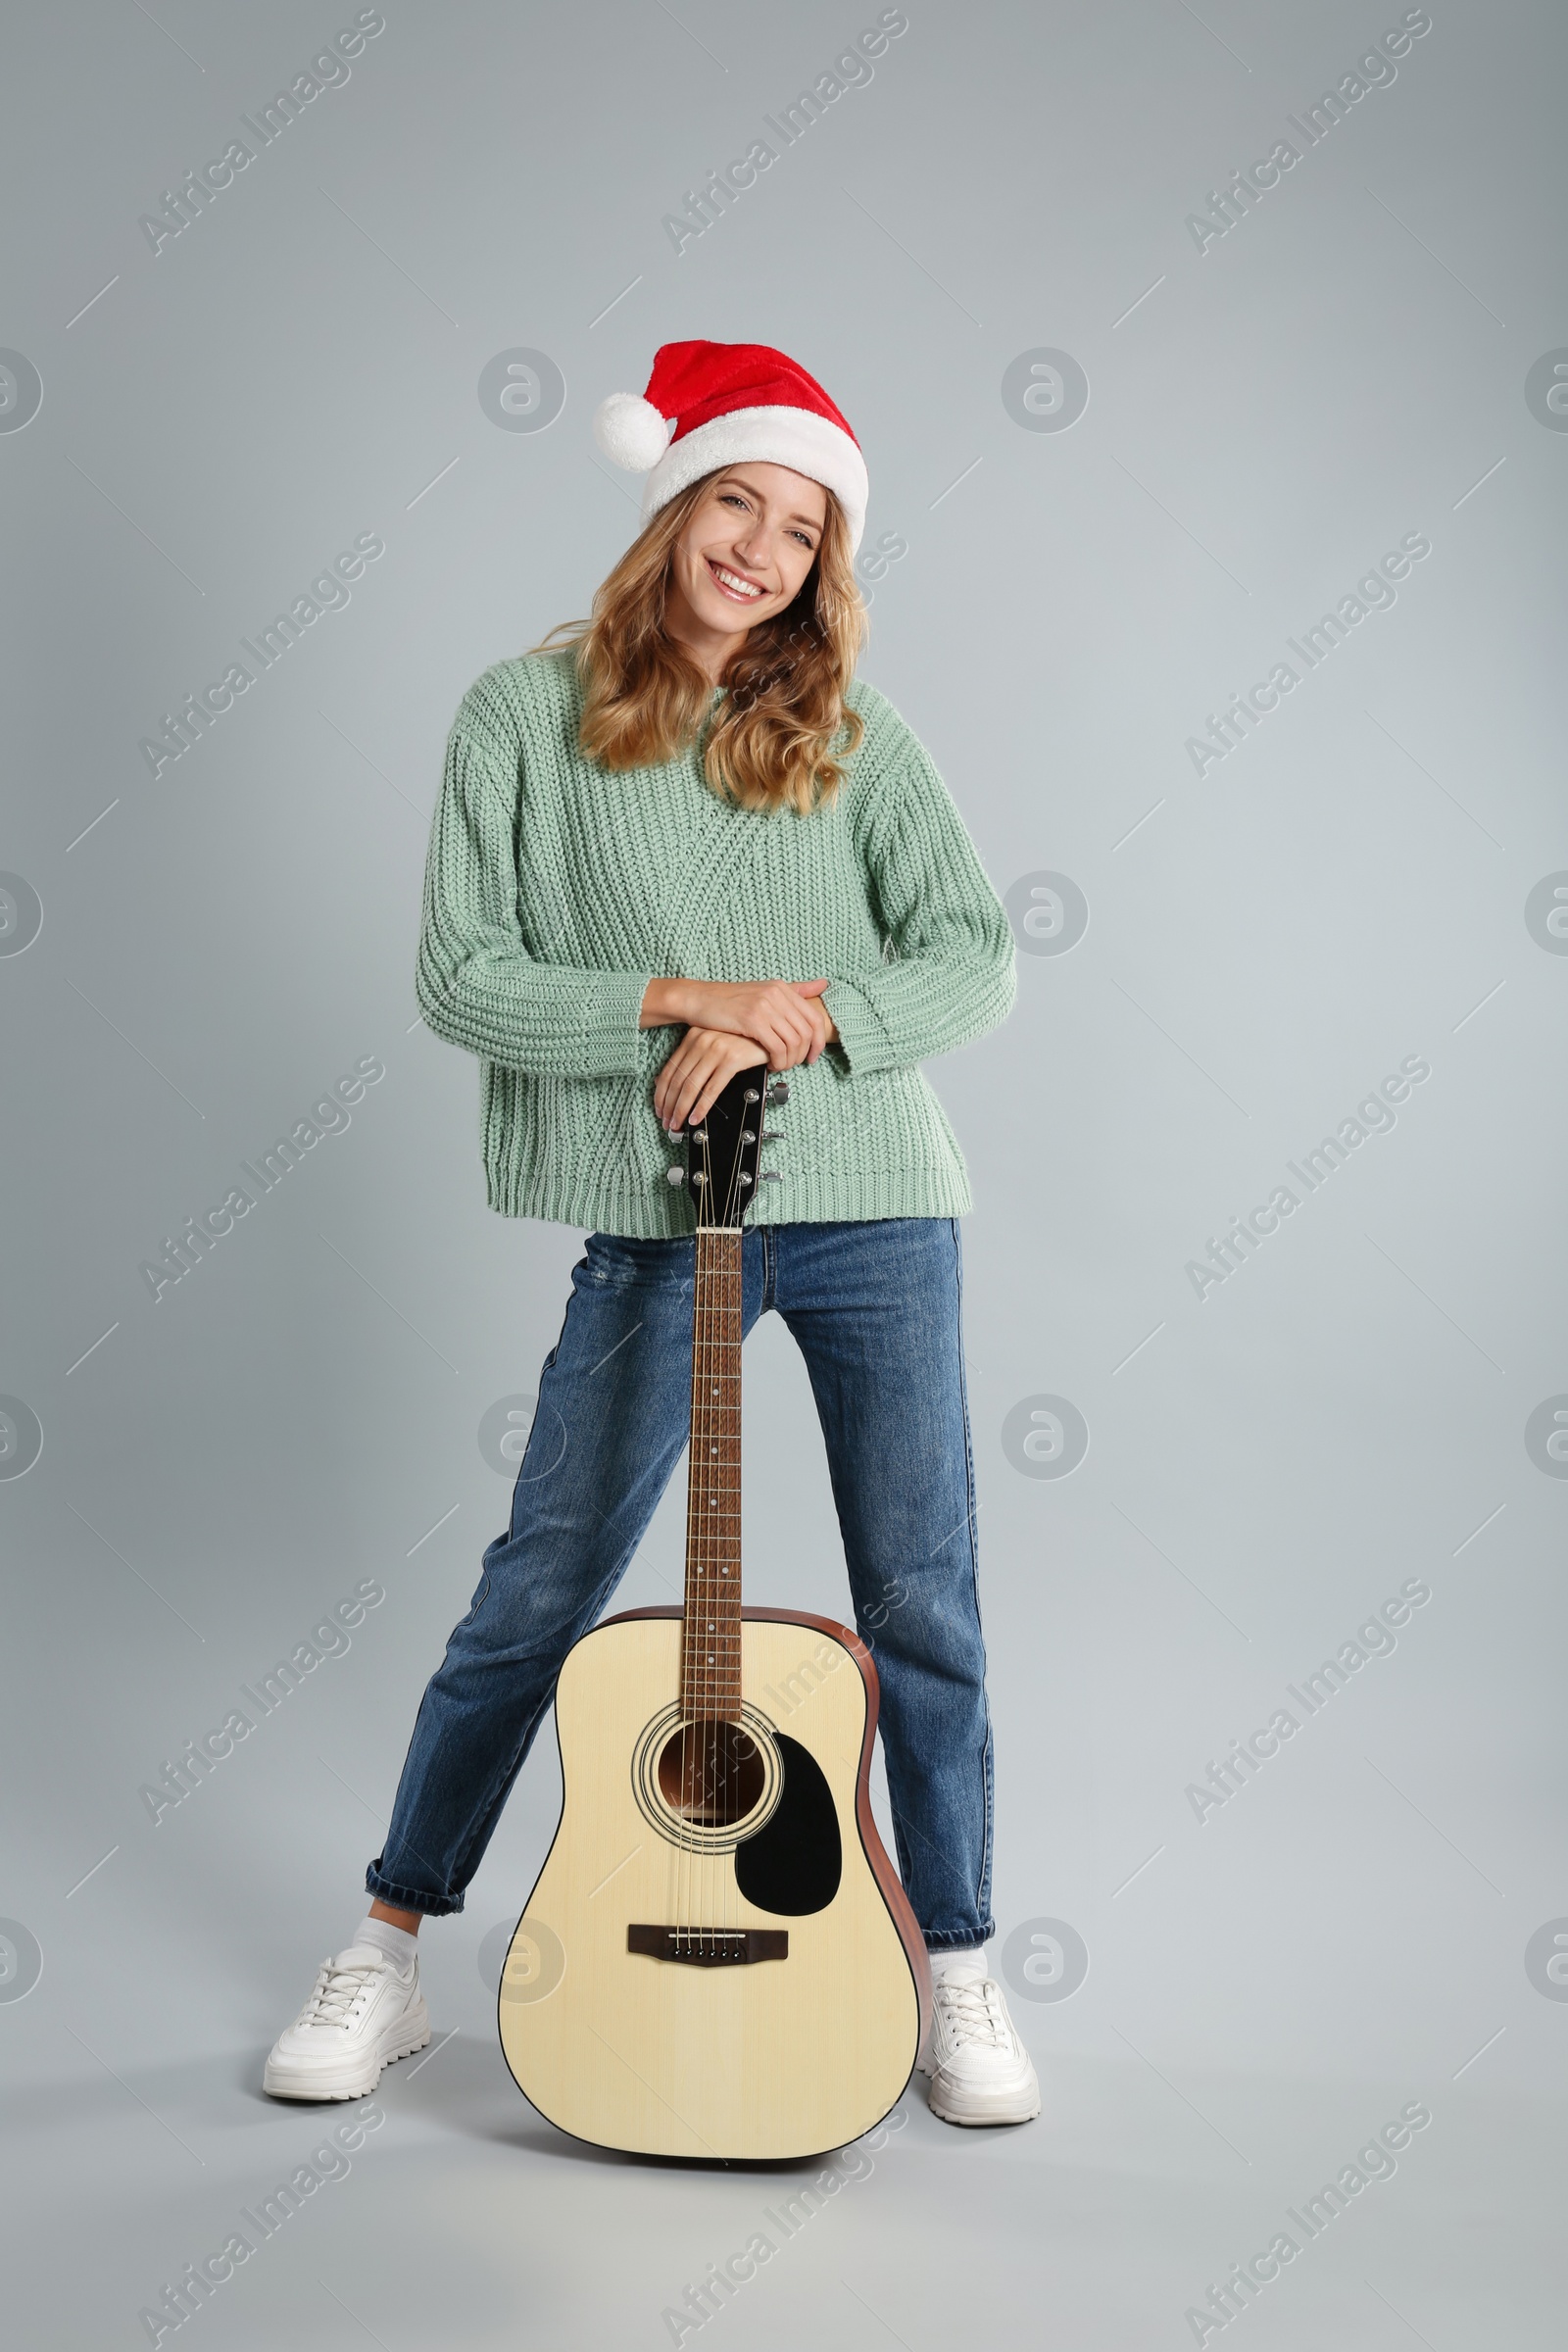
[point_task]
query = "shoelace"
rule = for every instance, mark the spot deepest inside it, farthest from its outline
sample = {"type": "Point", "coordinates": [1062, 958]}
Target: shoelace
{"type": "Point", "coordinates": [972, 2011]}
{"type": "Point", "coordinates": [338, 1992]}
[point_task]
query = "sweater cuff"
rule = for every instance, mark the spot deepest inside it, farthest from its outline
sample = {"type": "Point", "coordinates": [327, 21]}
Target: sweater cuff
{"type": "Point", "coordinates": [610, 1018]}
{"type": "Point", "coordinates": [865, 1041]}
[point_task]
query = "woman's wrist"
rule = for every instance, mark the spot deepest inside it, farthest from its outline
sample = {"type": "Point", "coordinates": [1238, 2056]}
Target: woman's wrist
{"type": "Point", "coordinates": [664, 1002]}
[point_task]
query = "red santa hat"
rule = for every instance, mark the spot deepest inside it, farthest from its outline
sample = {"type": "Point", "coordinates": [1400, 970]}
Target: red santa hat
{"type": "Point", "coordinates": [709, 404]}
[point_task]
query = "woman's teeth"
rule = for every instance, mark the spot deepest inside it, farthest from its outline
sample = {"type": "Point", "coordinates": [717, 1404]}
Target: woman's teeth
{"type": "Point", "coordinates": [734, 581]}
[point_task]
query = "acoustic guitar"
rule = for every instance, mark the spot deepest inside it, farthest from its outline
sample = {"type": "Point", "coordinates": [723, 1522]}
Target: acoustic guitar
{"type": "Point", "coordinates": [717, 1959]}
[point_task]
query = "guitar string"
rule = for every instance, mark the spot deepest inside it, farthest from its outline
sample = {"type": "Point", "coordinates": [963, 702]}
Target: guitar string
{"type": "Point", "coordinates": [742, 1736]}
{"type": "Point", "coordinates": [687, 1761]}
{"type": "Point", "coordinates": [682, 1865]}
{"type": "Point", "coordinates": [712, 1789]}
{"type": "Point", "coordinates": [700, 1762]}
{"type": "Point", "coordinates": [733, 1307]}
{"type": "Point", "coordinates": [679, 1855]}
{"type": "Point", "coordinates": [706, 1793]}
{"type": "Point", "coordinates": [714, 1792]}
{"type": "Point", "coordinates": [730, 1884]}
{"type": "Point", "coordinates": [708, 1796]}
{"type": "Point", "coordinates": [692, 1785]}
{"type": "Point", "coordinates": [692, 1744]}
{"type": "Point", "coordinates": [723, 1867]}
{"type": "Point", "coordinates": [705, 1761]}
{"type": "Point", "coordinates": [708, 1799]}
{"type": "Point", "coordinates": [698, 1582]}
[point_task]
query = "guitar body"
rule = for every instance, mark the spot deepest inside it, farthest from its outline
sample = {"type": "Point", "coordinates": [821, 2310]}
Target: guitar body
{"type": "Point", "coordinates": [751, 1985]}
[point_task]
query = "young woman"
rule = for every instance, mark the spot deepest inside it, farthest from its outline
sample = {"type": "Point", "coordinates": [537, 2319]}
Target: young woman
{"type": "Point", "coordinates": [686, 839]}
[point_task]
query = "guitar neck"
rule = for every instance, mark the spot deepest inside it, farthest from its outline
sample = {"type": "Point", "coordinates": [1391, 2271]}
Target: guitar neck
{"type": "Point", "coordinates": [710, 1637]}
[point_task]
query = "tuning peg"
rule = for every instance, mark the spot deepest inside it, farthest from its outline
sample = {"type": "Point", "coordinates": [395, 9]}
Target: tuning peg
{"type": "Point", "coordinates": [674, 1175]}
{"type": "Point", "coordinates": [773, 1135]}
{"type": "Point", "coordinates": [771, 1176]}
{"type": "Point", "coordinates": [778, 1093]}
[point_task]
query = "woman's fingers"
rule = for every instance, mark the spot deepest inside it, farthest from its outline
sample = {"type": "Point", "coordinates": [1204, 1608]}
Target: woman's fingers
{"type": "Point", "coordinates": [682, 1079]}
{"type": "Point", "coordinates": [775, 1023]}
{"type": "Point", "coordinates": [700, 1084]}
{"type": "Point", "coordinates": [661, 1091]}
{"type": "Point", "coordinates": [808, 994]}
{"type": "Point", "coordinates": [697, 1073]}
{"type": "Point", "coordinates": [714, 1086]}
{"type": "Point", "coordinates": [666, 1092]}
{"type": "Point", "coordinates": [797, 1027]}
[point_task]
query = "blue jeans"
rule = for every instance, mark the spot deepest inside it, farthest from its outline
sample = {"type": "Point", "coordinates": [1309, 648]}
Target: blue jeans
{"type": "Point", "coordinates": [874, 1308]}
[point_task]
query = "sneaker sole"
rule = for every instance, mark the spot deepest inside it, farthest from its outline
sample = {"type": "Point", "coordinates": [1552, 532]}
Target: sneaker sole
{"type": "Point", "coordinates": [282, 2082]}
{"type": "Point", "coordinates": [1018, 2110]}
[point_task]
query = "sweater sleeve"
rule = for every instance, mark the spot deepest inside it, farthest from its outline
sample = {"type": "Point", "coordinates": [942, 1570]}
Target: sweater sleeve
{"type": "Point", "coordinates": [476, 983]}
{"type": "Point", "coordinates": [951, 974]}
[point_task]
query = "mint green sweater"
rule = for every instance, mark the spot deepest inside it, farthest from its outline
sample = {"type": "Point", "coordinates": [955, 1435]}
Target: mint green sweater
{"type": "Point", "coordinates": [556, 889]}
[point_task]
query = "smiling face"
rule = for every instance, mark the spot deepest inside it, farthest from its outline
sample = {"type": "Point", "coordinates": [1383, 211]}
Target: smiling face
{"type": "Point", "coordinates": [742, 555]}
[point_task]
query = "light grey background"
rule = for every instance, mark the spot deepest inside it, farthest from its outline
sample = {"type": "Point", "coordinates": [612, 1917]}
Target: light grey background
{"type": "Point", "coordinates": [1265, 1465]}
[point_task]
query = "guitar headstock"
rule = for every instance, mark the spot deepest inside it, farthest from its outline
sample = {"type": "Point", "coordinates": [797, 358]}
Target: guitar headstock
{"type": "Point", "coordinates": [723, 1153]}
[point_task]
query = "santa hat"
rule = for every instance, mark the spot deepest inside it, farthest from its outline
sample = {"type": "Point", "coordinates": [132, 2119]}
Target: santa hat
{"type": "Point", "coordinates": [709, 404]}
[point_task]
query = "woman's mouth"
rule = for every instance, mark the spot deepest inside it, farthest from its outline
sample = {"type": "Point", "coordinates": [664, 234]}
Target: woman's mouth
{"type": "Point", "coordinates": [740, 591]}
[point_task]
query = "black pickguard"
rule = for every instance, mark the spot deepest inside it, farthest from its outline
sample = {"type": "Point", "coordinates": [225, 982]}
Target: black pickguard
{"type": "Point", "coordinates": [794, 1863]}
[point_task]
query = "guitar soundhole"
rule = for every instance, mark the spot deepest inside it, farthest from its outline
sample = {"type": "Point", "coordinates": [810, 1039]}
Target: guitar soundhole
{"type": "Point", "coordinates": [711, 1774]}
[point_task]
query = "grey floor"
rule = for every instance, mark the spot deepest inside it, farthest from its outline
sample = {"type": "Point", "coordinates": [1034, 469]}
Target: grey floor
{"type": "Point", "coordinates": [462, 2219]}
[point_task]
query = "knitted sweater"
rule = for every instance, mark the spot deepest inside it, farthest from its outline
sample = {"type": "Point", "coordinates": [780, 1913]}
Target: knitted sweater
{"type": "Point", "coordinates": [555, 889]}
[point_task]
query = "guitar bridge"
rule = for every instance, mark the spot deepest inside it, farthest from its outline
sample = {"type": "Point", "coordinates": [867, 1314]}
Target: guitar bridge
{"type": "Point", "coordinates": [710, 1948]}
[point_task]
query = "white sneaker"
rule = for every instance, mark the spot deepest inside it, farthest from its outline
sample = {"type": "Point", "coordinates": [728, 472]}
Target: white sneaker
{"type": "Point", "coordinates": [980, 2071]}
{"type": "Point", "coordinates": [359, 2017]}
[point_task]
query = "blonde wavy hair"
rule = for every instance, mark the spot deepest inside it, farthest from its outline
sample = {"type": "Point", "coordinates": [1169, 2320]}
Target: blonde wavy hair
{"type": "Point", "coordinates": [775, 740]}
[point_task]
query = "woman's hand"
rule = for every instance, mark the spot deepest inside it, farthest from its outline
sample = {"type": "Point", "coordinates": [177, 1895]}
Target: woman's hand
{"type": "Point", "coordinates": [698, 1073]}
{"type": "Point", "coordinates": [785, 1019]}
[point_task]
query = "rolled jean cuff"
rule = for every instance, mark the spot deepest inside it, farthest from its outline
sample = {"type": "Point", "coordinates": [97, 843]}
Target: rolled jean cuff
{"type": "Point", "coordinates": [409, 1898]}
{"type": "Point", "coordinates": [951, 1939]}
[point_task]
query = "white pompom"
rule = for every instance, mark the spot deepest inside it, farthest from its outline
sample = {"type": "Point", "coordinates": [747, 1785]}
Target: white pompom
{"type": "Point", "coordinates": [630, 429]}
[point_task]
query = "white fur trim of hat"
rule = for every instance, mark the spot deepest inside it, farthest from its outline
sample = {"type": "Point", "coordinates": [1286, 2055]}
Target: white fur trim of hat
{"type": "Point", "coordinates": [793, 437]}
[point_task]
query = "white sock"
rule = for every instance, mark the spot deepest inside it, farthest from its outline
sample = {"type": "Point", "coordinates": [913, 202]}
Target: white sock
{"type": "Point", "coordinates": [400, 1947]}
{"type": "Point", "coordinates": [959, 1968]}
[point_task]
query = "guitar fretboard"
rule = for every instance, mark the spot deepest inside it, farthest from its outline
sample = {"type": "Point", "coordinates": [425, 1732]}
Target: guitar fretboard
{"type": "Point", "coordinates": [710, 1641]}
